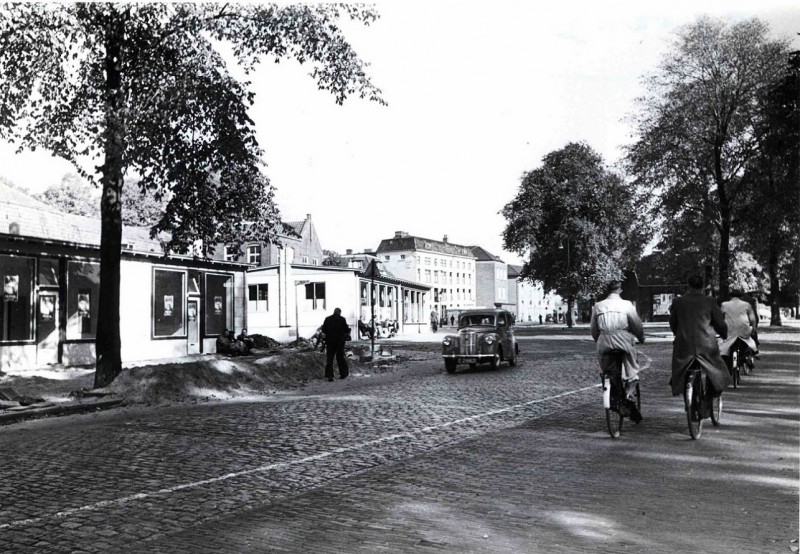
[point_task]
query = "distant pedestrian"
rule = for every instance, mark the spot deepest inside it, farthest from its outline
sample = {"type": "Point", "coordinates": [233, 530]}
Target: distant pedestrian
{"type": "Point", "coordinates": [540, 319]}
{"type": "Point", "coordinates": [336, 332]}
{"type": "Point", "coordinates": [452, 320]}
{"type": "Point", "coordinates": [434, 320]}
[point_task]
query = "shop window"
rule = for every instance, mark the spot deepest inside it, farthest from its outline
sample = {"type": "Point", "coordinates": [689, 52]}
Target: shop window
{"type": "Point", "coordinates": [16, 311]}
{"type": "Point", "coordinates": [48, 272]}
{"type": "Point", "coordinates": [169, 297]}
{"type": "Point", "coordinates": [83, 299]}
{"type": "Point", "coordinates": [219, 303]}
{"type": "Point", "coordinates": [254, 254]}
{"type": "Point", "coordinates": [258, 297]}
{"type": "Point", "coordinates": [315, 296]}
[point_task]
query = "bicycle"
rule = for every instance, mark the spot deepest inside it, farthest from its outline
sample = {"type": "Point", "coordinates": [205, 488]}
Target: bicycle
{"type": "Point", "coordinates": [695, 392]}
{"type": "Point", "coordinates": [739, 361]}
{"type": "Point", "coordinates": [615, 400]}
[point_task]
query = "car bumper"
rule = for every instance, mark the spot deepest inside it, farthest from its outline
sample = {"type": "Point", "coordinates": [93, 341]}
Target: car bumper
{"type": "Point", "coordinates": [470, 358]}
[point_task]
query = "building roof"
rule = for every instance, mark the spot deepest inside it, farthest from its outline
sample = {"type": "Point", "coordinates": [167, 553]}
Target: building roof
{"type": "Point", "coordinates": [514, 271]}
{"type": "Point", "coordinates": [293, 228]}
{"type": "Point", "coordinates": [406, 242]}
{"type": "Point", "coordinates": [483, 255]}
{"type": "Point", "coordinates": [22, 215]}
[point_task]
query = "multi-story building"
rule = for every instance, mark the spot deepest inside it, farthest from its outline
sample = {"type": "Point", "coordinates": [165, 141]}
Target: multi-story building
{"type": "Point", "coordinates": [300, 236]}
{"type": "Point", "coordinates": [529, 302]}
{"type": "Point", "coordinates": [449, 269]}
{"type": "Point", "coordinates": [491, 280]}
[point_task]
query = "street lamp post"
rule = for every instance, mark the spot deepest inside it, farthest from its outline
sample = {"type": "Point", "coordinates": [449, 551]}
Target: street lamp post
{"type": "Point", "coordinates": [297, 309]}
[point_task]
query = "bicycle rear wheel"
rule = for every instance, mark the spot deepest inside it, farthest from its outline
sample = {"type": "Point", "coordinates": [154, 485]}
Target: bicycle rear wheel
{"type": "Point", "coordinates": [614, 423]}
{"type": "Point", "coordinates": [716, 410]}
{"type": "Point", "coordinates": [691, 397]}
{"type": "Point", "coordinates": [611, 403]}
{"type": "Point", "coordinates": [735, 368]}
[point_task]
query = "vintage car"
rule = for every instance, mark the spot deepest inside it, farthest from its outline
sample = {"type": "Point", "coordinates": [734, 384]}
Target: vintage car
{"type": "Point", "coordinates": [484, 336]}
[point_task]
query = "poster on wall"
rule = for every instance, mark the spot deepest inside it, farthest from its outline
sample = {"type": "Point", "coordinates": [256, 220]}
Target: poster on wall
{"type": "Point", "coordinates": [84, 303]}
{"type": "Point", "coordinates": [46, 308]}
{"type": "Point", "coordinates": [192, 311]}
{"type": "Point", "coordinates": [169, 305]}
{"type": "Point", "coordinates": [11, 288]}
{"type": "Point", "coordinates": [217, 305]}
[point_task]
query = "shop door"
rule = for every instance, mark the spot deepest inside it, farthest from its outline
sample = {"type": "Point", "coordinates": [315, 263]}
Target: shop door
{"type": "Point", "coordinates": [193, 326]}
{"type": "Point", "coordinates": [47, 329]}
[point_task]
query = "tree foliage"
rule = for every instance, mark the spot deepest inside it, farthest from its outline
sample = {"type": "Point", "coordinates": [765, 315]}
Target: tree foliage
{"type": "Point", "coordinates": [332, 258]}
{"type": "Point", "coordinates": [575, 223]}
{"type": "Point", "coordinates": [698, 127]}
{"type": "Point", "coordinates": [142, 90]}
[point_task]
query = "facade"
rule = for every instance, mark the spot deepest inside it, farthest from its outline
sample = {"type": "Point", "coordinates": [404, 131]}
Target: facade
{"type": "Point", "coordinates": [290, 300]}
{"type": "Point", "coordinates": [300, 236]}
{"type": "Point", "coordinates": [449, 269]}
{"type": "Point", "coordinates": [50, 269]}
{"type": "Point", "coordinates": [529, 302]}
{"type": "Point", "coordinates": [491, 277]}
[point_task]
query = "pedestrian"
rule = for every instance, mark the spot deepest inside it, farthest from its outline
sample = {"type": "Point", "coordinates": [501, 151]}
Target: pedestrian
{"type": "Point", "coordinates": [337, 332]}
{"type": "Point", "coordinates": [452, 320]}
{"type": "Point", "coordinates": [540, 319]}
{"type": "Point", "coordinates": [434, 320]}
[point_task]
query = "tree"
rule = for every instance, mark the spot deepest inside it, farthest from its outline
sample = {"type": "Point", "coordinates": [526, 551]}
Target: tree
{"type": "Point", "coordinates": [143, 90]}
{"type": "Point", "coordinates": [332, 258]}
{"type": "Point", "coordinates": [576, 224]}
{"type": "Point", "coordinates": [770, 212]}
{"type": "Point", "coordinates": [72, 195]}
{"type": "Point", "coordinates": [697, 127]}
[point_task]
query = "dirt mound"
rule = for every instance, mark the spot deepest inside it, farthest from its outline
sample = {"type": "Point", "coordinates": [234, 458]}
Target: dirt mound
{"type": "Point", "coordinates": [263, 342]}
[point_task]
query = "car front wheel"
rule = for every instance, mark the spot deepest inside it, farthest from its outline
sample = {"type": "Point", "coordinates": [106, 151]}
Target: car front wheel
{"type": "Point", "coordinates": [450, 365]}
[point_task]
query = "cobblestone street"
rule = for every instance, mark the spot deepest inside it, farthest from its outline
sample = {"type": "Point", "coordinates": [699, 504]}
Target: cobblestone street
{"type": "Point", "coordinates": [513, 460]}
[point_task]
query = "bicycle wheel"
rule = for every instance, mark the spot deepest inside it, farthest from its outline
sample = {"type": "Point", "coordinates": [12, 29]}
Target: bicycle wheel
{"type": "Point", "coordinates": [735, 368]}
{"type": "Point", "coordinates": [611, 402]}
{"type": "Point", "coordinates": [716, 410]}
{"type": "Point", "coordinates": [691, 398]}
{"type": "Point", "coordinates": [638, 399]}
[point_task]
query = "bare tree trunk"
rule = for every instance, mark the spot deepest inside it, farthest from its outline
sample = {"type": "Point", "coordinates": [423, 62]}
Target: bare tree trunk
{"type": "Point", "coordinates": [724, 254]}
{"type": "Point", "coordinates": [570, 305]}
{"type": "Point", "coordinates": [774, 287]}
{"type": "Point", "coordinates": [108, 344]}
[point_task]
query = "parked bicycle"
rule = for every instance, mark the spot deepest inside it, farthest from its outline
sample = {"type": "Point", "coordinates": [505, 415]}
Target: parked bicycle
{"type": "Point", "coordinates": [615, 399]}
{"type": "Point", "coordinates": [700, 404]}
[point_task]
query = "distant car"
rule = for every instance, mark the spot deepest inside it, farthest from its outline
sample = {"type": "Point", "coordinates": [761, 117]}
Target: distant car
{"type": "Point", "coordinates": [484, 336]}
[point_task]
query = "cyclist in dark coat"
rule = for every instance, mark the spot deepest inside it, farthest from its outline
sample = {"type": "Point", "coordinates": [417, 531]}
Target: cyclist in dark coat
{"type": "Point", "coordinates": [695, 320]}
{"type": "Point", "coordinates": [336, 332]}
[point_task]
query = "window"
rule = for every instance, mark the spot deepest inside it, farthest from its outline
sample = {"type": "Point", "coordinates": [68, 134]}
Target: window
{"type": "Point", "coordinates": [254, 254]}
{"type": "Point", "coordinates": [386, 258]}
{"type": "Point", "coordinates": [48, 272]}
{"type": "Point", "coordinates": [16, 309]}
{"type": "Point", "coordinates": [402, 256]}
{"type": "Point", "coordinates": [219, 303]}
{"type": "Point", "coordinates": [314, 261]}
{"type": "Point", "coordinates": [427, 275]}
{"type": "Point", "coordinates": [258, 297]}
{"type": "Point", "coordinates": [304, 260]}
{"type": "Point", "coordinates": [435, 276]}
{"type": "Point", "coordinates": [168, 301]}
{"type": "Point", "coordinates": [436, 262]}
{"type": "Point", "coordinates": [83, 298]}
{"type": "Point", "coordinates": [315, 296]}
{"type": "Point", "coordinates": [231, 255]}
{"type": "Point", "coordinates": [427, 261]}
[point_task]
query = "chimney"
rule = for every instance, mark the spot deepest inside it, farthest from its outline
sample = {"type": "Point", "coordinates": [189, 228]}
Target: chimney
{"type": "Point", "coordinates": [349, 251]}
{"type": "Point", "coordinates": [308, 217]}
{"type": "Point", "coordinates": [398, 234]}
{"type": "Point", "coordinates": [444, 239]}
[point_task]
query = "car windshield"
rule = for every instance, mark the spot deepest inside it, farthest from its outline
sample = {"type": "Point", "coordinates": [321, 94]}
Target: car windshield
{"type": "Point", "coordinates": [476, 319]}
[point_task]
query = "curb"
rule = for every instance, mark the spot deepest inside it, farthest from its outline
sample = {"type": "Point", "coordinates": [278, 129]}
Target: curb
{"type": "Point", "coordinates": [68, 408]}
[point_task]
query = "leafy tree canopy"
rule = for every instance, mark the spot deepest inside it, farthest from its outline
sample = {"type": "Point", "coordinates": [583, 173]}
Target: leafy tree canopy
{"type": "Point", "coordinates": [576, 223]}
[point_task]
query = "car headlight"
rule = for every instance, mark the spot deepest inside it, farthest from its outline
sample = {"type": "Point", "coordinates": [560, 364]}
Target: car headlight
{"type": "Point", "coordinates": [489, 339]}
{"type": "Point", "coordinates": [446, 341]}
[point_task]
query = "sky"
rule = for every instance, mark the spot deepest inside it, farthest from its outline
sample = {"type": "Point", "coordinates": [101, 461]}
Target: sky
{"type": "Point", "coordinates": [478, 93]}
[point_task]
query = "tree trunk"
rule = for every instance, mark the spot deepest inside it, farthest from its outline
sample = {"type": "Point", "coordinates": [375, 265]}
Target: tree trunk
{"type": "Point", "coordinates": [108, 344]}
{"type": "Point", "coordinates": [774, 287]}
{"type": "Point", "coordinates": [724, 254]}
{"type": "Point", "coordinates": [570, 305]}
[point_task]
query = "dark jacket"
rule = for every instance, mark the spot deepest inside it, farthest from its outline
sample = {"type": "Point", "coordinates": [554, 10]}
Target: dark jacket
{"type": "Point", "coordinates": [695, 320]}
{"type": "Point", "coordinates": [336, 329]}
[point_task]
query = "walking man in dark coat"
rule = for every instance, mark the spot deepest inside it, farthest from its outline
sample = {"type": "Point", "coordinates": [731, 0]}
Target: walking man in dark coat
{"type": "Point", "coordinates": [696, 320]}
{"type": "Point", "coordinates": [336, 332]}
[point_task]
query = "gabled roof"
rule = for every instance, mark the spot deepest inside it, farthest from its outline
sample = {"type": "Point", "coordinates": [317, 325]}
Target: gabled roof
{"type": "Point", "coordinates": [22, 215]}
{"type": "Point", "coordinates": [514, 271]}
{"type": "Point", "coordinates": [398, 244]}
{"type": "Point", "coordinates": [483, 255]}
{"type": "Point", "coordinates": [293, 228]}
